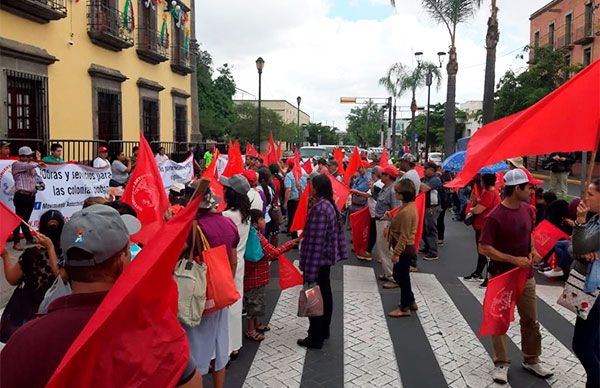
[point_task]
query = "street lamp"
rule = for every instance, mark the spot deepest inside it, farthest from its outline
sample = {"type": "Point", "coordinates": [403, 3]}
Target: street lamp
{"type": "Point", "coordinates": [260, 63]}
{"type": "Point", "coordinates": [298, 100]}
{"type": "Point", "coordinates": [428, 82]}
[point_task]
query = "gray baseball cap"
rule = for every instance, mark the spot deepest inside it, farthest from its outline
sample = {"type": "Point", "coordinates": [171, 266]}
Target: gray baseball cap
{"type": "Point", "coordinates": [25, 151]}
{"type": "Point", "coordinates": [99, 230]}
{"type": "Point", "coordinates": [410, 158]}
{"type": "Point", "coordinates": [237, 182]}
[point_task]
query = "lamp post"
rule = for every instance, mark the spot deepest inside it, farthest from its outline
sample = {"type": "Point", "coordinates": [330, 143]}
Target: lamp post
{"type": "Point", "coordinates": [299, 100]}
{"type": "Point", "coordinates": [260, 63]}
{"type": "Point", "coordinates": [428, 82]}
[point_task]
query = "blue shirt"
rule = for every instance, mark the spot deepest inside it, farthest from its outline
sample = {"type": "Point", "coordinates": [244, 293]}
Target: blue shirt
{"type": "Point", "coordinates": [290, 183]}
{"type": "Point", "coordinates": [360, 184]}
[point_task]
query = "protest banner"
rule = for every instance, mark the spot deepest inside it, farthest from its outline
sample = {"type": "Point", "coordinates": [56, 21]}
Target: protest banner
{"type": "Point", "coordinates": [172, 172]}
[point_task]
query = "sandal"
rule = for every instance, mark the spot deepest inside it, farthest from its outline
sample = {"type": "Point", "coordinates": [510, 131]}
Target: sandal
{"type": "Point", "coordinates": [255, 336]}
{"type": "Point", "coordinates": [263, 328]}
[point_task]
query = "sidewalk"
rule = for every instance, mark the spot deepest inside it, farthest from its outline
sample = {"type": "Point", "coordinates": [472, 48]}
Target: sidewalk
{"type": "Point", "coordinates": [546, 177]}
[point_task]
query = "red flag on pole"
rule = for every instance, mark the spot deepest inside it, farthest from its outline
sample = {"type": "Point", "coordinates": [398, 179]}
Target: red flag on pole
{"type": "Point", "coordinates": [338, 155]}
{"type": "Point", "coordinates": [297, 170]}
{"type": "Point", "coordinates": [250, 150]}
{"type": "Point", "coordinates": [146, 194]}
{"type": "Point", "coordinates": [235, 163]}
{"type": "Point", "coordinates": [519, 134]}
{"type": "Point", "coordinates": [301, 211]}
{"type": "Point", "coordinates": [279, 150]}
{"type": "Point", "coordinates": [420, 205]}
{"type": "Point", "coordinates": [341, 192]}
{"type": "Point", "coordinates": [289, 276]}
{"type": "Point", "coordinates": [353, 165]}
{"type": "Point", "coordinates": [360, 223]}
{"type": "Point", "coordinates": [272, 153]}
{"type": "Point", "coordinates": [9, 222]}
{"type": "Point", "coordinates": [211, 170]}
{"type": "Point", "coordinates": [134, 337]}
{"type": "Point", "coordinates": [501, 296]}
{"type": "Point", "coordinates": [307, 166]}
{"type": "Point", "coordinates": [385, 159]}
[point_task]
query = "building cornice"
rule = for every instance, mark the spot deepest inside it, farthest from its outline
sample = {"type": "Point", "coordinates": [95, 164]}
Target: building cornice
{"type": "Point", "coordinates": [106, 73]}
{"type": "Point", "coordinates": [149, 84]}
{"type": "Point", "coordinates": [180, 93]}
{"type": "Point", "coordinates": [14, 49]}
{"type": "Point", "coordinates": [544, 9]}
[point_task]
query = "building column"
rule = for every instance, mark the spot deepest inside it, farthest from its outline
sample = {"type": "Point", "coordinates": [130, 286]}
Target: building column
{"type": "Point", "coordinates": [195, 136]}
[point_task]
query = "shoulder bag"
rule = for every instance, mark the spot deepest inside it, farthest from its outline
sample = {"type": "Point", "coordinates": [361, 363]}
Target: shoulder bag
{"type": "Point", "coordinates": [574, 296]}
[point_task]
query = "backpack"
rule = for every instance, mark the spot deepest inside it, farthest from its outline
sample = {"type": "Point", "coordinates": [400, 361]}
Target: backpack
{"type": "Point", "coordinates": [254, 251]}
{"type": "Point", "coordinates": [190, 277]}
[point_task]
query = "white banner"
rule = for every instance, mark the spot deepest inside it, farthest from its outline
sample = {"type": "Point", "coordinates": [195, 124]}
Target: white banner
{"type": "Point", "coordinates": [66, 187]}
{"type": "Point", "coordinates": [172, 172]}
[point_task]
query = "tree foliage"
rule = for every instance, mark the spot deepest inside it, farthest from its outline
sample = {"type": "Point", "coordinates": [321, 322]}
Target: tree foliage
{"type": "Point", "coordinates": [436, 125]}
{"type": "Point", "coordinates": [364, 125]}
{"type": "Point", "coordinates": [329, 134]}
{"type": "Point", "coordinates": [516, 92]}
{"type": "Point", "coordinates": [244, 126]}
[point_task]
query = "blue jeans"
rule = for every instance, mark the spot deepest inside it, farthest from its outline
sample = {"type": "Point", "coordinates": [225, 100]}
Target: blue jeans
{"type": "Point", "coordinates": [586, 345]}
{"type": "Point", "coordinates": [563, 258]}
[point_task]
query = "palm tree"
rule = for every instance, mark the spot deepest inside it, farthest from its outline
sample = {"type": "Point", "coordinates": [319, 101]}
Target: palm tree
{"type": "Point", "coordinates": [491, 41]}
{"type": "Point", "coordinates": [400, 78]}
{"type": "Point", "coordinates": [450, 13]}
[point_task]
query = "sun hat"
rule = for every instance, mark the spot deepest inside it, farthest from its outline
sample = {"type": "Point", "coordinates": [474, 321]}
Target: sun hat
{"type": "Point", "coordinates": [237, 183]}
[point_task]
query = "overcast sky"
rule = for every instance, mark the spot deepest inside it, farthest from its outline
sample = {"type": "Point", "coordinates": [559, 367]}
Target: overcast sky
{"type": "Point", "coordinates": [322, 50]}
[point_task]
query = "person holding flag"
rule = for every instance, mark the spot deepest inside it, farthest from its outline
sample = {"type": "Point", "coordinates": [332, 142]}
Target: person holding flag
{"type": "Point", "coordinates": [507, 240]}
{"type": "Point", "coordinates": [293, 190]}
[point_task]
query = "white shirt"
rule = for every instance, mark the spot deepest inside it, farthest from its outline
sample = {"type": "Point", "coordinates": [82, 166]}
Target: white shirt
{"type": "Point", "coordinates": [161, 158]}
{"type": "Point", "coordinates": [256, 201]}
{"type": "Point", "coordinates": [414, 177]}
{"type": "Point", "coordinates": [371, 203]}
{"type": "Point", "coordinates": [101, 163]}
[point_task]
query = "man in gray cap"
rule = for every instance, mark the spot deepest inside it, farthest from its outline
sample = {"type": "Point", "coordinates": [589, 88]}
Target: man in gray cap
{"type": "Point", "coordinates": [23, 171]}
{"type": "Point", "coordinates": [407, 168]}
{"type": "Point", "coordinates": [95, 243]}
{"type": "Point", "coordinates": [4, 149]}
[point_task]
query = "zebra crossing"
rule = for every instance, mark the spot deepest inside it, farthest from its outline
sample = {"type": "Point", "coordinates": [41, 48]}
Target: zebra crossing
{"type": "Point", "coordinates": [373, 348]}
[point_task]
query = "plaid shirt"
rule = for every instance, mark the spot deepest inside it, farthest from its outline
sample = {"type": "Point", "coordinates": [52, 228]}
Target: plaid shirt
{"type": "Point", "coordinates": [24, 176]}
{"type": "Point", "coordinates": [324, 241]}
{"type": "Point", "coordinates": [259, 274]}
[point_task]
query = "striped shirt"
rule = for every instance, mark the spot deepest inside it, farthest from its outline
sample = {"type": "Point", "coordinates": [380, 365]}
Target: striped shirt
{"type": "Point", "coordinates": [24, 176]}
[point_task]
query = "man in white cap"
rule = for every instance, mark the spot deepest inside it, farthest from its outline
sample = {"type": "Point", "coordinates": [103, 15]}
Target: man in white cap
{"type": "Point", "coordinates": [23, 171]}
{"type": "Point", "coordinates": [506, 239]}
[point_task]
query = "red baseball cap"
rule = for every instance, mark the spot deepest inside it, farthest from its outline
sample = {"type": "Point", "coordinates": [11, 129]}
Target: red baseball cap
{"type": "Point", "coordinates": [531, 178]}
{"type": "Point", "coordinates": [391, 171]}
{"type": "Point", "coordinates": [251, 176]}
{"type": "Point", "coordinates": [365, 163]}
{"type": "Point", "coordinates": [102, 149]}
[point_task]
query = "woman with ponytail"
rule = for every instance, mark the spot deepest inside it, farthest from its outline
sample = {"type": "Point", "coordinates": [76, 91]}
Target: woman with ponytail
{"type": "Point", "coordinates": [323, 245]}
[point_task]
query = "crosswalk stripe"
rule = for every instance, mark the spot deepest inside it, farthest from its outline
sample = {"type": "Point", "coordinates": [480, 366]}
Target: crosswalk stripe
{"type": "Point", "coordinates": [461, 356]}
{"type": "Point", "coordinates": [279, 361]}
{"type": "Point", "coordinates": [369, 357]}
{"type": "Point", "coordinates": [550, 294]}
{"type": "Point", "coordinates": [568, 371]}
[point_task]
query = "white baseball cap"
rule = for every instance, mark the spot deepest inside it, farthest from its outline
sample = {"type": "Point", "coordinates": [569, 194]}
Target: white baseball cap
{"type": "Point", "coordinates": [25, 151]}
{"type": "Point", "coordinates": [515, 177]}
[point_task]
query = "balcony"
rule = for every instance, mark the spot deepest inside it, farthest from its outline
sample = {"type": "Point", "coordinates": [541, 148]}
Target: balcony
{"type": "Point", "coordinates": [181, 60]}
{"type": "Point", "coordinates": [40, 11]}
{"type": "Point", "coordinates": [150, 47]}
{"type": "Point", "coordinates": [584, 35]}
{"type": "Point", "coordinates": [106, 27]}
{"type": "Point", "coordinates": [565, 41]}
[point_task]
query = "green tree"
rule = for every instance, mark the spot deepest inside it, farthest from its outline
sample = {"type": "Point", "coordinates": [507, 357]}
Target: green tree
{"type": "Point", "coordinates": [549, 70]}
{"type": "Point", "coordinates": [450, 13]}
{"type": "Point", "coordinates": [215, 102]}
{"type": "Point", "coordinates": [329, 135]}
{"type": "Point", "coordinates": [364, 125]}
{"type": "Point", "coordinates": [244, 126]}
{"type": "Point", "coordinates": [436, 126]}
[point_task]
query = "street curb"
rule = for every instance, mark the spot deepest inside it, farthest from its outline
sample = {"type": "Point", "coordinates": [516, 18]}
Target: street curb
{"type": "Point", "coordinates": [547, 178]}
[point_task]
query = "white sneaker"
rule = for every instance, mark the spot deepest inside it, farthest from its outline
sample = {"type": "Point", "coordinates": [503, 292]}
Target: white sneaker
{"type": "Point", "coordinates": [538, 370]}
{"type": "Point", "coordinates": [554, 273]}
{"type": "Point", "coordinates": [500, 374]}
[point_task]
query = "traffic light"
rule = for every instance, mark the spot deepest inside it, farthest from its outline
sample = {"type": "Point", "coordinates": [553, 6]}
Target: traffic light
{"type": "Point", "coordinates": [348, 100]}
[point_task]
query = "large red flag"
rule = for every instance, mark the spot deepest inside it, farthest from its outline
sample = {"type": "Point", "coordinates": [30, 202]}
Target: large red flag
{"type": "Point", "coordinates": [289, 276]}
{"type": "Point", "coordinates": [235, 163]}
{"type": "Point", "coordinates": [353, 165]}
{"type": "Point", "coordinates": [279, 152]}
{"type": "Point", "coordinates": [338, 155]}
{"type": "Point", "coordinates": [341, 192]}
{"type": "Point", "coordinates": [501, 296]}
{"type": "Point", "coordinates": [9, 222]}
{"type": "Point", "coordinates": [385, 159]}
{"type": "Point", "coordinates": [307, 166]}
{"type": "Point", "coordinates": [272, 153]}
{"type": "Point", "coordinates": [301, 211]}
{"type": "Point", "coordinates": [545, 236]}
{"type": "Point", "coordinates": [250, 150]}
{"type": "Point", "coordinates": [538, 129]}
{"type": "Point", "coordinates": [297, 169]}
{"type": "Point", "coordinates": [134, 337]}
{"type": "Point", "coordinates": [360, 223]}
{"type": "Point", "coordinates": [146, 194]}
{"type": "Point", "coordinates": [420, 205]}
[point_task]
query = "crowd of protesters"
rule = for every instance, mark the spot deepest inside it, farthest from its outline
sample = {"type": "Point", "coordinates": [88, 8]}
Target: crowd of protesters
{"type": "Point", "coordinates": [66, 281]}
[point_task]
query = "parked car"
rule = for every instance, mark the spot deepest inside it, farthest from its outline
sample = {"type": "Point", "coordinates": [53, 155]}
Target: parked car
{"type": "Point", "coordinates": [436, 157]}
{"type": "Point", "coordinates": [315, 153]}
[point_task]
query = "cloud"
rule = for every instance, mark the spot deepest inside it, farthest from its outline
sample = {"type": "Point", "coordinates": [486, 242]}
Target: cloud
{"type": "Point", "coordinates": [312, 52]}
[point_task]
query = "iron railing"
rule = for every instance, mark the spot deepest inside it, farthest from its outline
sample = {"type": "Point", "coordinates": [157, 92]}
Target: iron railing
{"type": "Point", "coordinates": [584, 35]}
{"type": "Point", "coordinates": [149, 40]}
{"type": "Point", "coordinates": [565, 41]}
{"type": "Point", "coordinates": [181, 57]}
{"type": "Point", "coordinates": [108, 22]}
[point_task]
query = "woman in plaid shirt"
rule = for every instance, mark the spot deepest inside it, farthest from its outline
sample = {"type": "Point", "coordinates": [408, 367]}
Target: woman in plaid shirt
{"type": "Point", "coordinates": [257, 276]}
{"type": "Point", "coordinates": [323, 245]}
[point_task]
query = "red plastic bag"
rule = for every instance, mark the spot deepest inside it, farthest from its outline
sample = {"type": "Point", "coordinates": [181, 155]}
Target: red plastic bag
{"type": "Point", "coordinates": [289, 276]}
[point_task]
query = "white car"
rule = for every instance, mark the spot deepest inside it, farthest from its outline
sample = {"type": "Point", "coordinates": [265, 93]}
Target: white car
{"type": "Point", "coordinates": [436, 157]}
{"type": "Point", "coordinates": [314, 153]}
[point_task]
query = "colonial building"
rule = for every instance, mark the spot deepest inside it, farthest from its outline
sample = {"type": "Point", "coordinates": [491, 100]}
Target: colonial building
{"type": "Point", "coordinates": [573, 25]}
{"type": "Point", "coordinates": [96, 71]}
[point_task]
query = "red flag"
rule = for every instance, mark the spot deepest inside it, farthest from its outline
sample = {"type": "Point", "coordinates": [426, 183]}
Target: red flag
{"type": "Point", "coordinates": [134, 337]}
{"type": "Point", "coordinates": [420, 171]}
{"type": "Point", "coordinates": [385, 159]}
{"type": "Point", "coordinates": [406, 148]}
{"type": "Point", "coordinates": [360, 223]}
{"type": "Point", "coordinates": [146, 194]}
{"type": "Point", "coordinates": [302, 211]}
{"type": "Point", "coordinates": [420, 205]}
{"type": "Point", "coordinates": [289, 276]}
{"type": "Point", "coordinates": [235, 163]}
{"type": "Point", "coordinates": [476, 194]}
{"type": "Point", "coordinates": [519, 134]}
{"type": "Point", "coordinates": [338, 155]}
{"type": "Point", "coordinates": [272, 154]}
{"type": "Point", "coordinates": [501, 296]}
{"type": "Point", "coordinates": [250, 150]}
{"type": "Point", "coordinates": [545, 235]}
{"type": "Point", "coordinates": [307, 166]}
{"type": "Point", "coordinates": [279, 150]}
{"type": "Point", "coordinates": [297, 170]}
{"type": "Point", "coordinates": [341, 192]}
{"type": "Point", "coordinates": [9, 222]}
{"type": "Point", "coordinates": [211, 170]}
{"type": "Point", "coordinates": [353, 165]}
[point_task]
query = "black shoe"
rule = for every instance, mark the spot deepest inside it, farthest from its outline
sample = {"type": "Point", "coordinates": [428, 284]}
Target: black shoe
{"type": "Point", "coordinates": [484, 284]}
{"type": "Point", "coordinates": [474, 277]}
{"type": "Point", "coordinates": [309, 343]}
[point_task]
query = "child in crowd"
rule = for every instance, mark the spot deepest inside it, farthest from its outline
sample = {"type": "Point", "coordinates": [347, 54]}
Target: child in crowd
{"type": "Point", "coordinates": [257, 275]}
